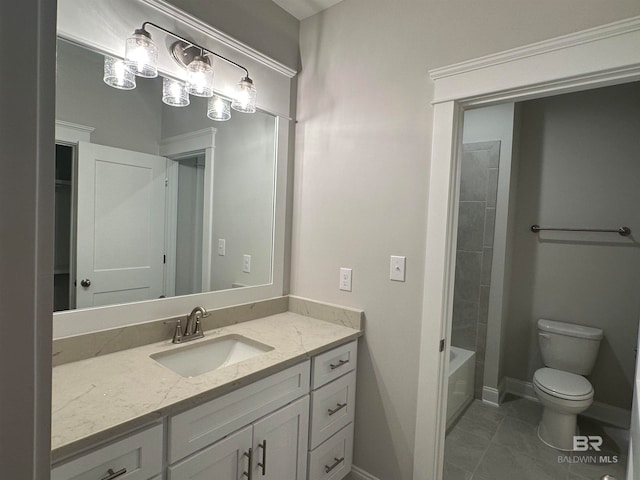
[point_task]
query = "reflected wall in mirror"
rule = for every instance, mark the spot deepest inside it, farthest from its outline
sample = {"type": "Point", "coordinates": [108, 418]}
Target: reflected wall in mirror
{"type": "Point", "coordinates": [162, 201]}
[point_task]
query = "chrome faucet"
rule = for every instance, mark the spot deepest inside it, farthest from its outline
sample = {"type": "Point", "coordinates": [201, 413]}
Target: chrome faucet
{"type": "Point", "coordinates": [192, 329]}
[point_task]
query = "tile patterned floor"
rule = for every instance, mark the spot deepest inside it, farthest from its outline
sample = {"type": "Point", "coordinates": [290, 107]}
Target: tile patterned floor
{"type": "Point", "coordinates": [501, 443]}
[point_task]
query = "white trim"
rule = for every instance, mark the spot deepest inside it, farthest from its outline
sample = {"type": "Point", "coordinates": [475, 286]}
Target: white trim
{"type": "Point", "coordinates": [539, 48]}
{"type": "Point", "coordinates": [596, 59]}
{"type": "Point", "coordinates": [72, 132]}
{"type": "Point", "coordinates": [616, 416]}
{"type": "Point", "coordinates": [187, 144]}
{"type": "Point", "coordinates": [491, 396]}
{"type": "Point", "coordinates": [520, 388]}
{"type": "Point", "coordinates": [359, 474]}
{"type": "Point", "coordinates": [221, 37]}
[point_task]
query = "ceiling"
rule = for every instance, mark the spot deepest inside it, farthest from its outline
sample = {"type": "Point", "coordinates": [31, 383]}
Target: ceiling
{"type": "Point", "coordinates": [302, 9]}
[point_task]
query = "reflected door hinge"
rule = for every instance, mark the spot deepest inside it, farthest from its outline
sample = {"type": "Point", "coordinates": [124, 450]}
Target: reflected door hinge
{"type": "Point", "coordinates": [164, 259]}
{"type": "Point", "coordinates": [442, 345]}
{"type": "Point", "coordinates": [166, 182]}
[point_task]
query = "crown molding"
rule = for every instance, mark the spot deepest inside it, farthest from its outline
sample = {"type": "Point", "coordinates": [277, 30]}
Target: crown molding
{"type": "Point", "coordinates": [558, 43]}
{"type": "Point", "coordinates": [197, 24]}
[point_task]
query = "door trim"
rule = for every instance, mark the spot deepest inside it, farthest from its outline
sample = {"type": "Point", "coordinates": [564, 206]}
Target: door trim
{"type": "Point", "coordinates": [598, 57]}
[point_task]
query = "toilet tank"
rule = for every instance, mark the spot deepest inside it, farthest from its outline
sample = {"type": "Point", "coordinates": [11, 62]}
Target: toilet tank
{"type": "Point", "coordinates": [569, 347]}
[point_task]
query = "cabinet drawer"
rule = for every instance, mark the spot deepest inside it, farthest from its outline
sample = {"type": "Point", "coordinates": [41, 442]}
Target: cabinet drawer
{"type": "Point", "coordinates": [140, 455]}
{"type": "Point", "coordinates": [203, 425]}
{"type": "Point", "coordinates": [332, 459]}
{"type": "Point", "coordinates": [332, 364]}
{"type": "Point", "coordinates": [332, 407]}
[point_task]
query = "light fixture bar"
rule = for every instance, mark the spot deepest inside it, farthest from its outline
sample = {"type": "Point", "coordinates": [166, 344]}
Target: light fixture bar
{"type": "Point", "coordinates": [189, 42]}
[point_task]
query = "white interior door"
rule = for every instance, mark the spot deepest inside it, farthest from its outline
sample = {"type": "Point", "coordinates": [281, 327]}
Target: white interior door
{"type": "Point", "coordinates": [121, 216]}
{"type": "Point", "coordinates": [634, 446]}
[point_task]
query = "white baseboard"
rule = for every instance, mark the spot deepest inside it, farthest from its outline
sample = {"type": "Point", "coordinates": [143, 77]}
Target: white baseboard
{"type": "Point", "coordinates": [491, 396]}
{"type": "Point", "coordinates": [520, 388]}
{"type": "Point", "coordinates": [602, 412]}
{"type": "Point", "coordinates": [359, 474]}
{"type": "Point", "coordinates": [616, 416]}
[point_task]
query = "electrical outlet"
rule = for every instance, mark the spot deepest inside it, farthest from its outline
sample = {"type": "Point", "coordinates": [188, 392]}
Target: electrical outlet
{"type": "Point", "coordinates": [222, 247]}
{"type": "Point", "coordinates": [397, 268]}
{"type": "Point", "coordinates": [246, 263]}
{"type": "Point", "coordinates": [345, 279]}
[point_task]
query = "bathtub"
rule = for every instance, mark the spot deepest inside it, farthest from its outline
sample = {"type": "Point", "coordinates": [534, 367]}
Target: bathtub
{"type": "Point", "coordinates": [462, 369]}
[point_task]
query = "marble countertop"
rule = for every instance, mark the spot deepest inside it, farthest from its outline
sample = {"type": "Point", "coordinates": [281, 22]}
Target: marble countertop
{"type": "Point", "coordinates": [98, 398]}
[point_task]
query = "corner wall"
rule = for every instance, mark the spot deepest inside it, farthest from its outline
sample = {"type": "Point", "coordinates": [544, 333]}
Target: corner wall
{"type": "Point", "coordinates": [362, 166]}
{"type": "Point", "coordinates": [579, 167]}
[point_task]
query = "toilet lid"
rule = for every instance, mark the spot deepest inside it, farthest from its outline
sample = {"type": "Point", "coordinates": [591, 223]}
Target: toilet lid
{"type": "Point", "coordinates": [562, 384]}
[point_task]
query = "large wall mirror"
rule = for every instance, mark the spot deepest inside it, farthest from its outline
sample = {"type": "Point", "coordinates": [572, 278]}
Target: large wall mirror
{"type": "Point", "coordinates": [158, 207]}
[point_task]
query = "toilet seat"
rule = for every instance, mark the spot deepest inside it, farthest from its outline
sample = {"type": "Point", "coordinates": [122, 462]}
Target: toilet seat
{"type": "Point", "coordinates": [561, 384]}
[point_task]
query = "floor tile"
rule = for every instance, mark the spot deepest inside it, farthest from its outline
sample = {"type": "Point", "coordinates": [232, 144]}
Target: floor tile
{"type": "Point", "coordinates": [522, 409]}
{"type": "Point", "coordinates": [522, 437]}
{"type": "Point", "coordinates": [504, 463]}
{"type": "Point", "coordinates": [481, 419]}
{"type": "Point", "coordinates": [463, 449]}
{"type": "Point", "coordinates": [597, 470]}
{"type": "Point", "coordinates": [452, 472]}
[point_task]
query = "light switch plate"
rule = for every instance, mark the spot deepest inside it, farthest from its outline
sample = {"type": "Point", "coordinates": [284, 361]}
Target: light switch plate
{"type": "Point", "coordinates": [397, 268]}
{"type": "Point", "coordinates": [246, 263]}
{"type": "Point", "coordinates": [345, 279]}
{"type": "Point", "coordinates": [222, 247]}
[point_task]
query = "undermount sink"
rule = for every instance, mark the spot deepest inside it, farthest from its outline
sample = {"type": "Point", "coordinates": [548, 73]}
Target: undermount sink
{"type": "Point", "coordinates": [208, 355]}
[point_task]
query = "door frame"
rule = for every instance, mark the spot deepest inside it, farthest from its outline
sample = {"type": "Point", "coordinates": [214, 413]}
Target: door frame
{"type": "Point", "coordinates": [201, 142]}
{"type": "Point", "coordinates": [594, 58]}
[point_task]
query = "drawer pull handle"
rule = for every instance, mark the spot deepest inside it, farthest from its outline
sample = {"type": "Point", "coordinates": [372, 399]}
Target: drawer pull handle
{"type": "Point", "coordinates": [263, 465]}
{"type": "Point", "coordinates": [111, 474]}
{"type": "Point", "coordinates": [339, 364]}
{"type": "Point", "coordinates": [337, 409]}
{"type": "Point", "coordinates": [337, 462]}
{"type": "Point", "coordinates": [249, 455]}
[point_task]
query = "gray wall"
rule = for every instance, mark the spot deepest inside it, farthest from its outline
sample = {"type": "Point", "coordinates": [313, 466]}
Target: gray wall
{"type": "Point", "coordinates": [26, 242]}
{"type": "Point", "coordinates": [260, 24]}
{"type": "Point", "coordinates": [128, 119]}
{"type": "Point", "coordinates": [362, 163]}
{"type": "Point", "coordinates": [481, 125]}
{"type": "Point", "coordinates": [474, 250]}
{"type": "Point", "coordinates": [579, 166]}
{"type": "Point", "coordinates": [244, 177]}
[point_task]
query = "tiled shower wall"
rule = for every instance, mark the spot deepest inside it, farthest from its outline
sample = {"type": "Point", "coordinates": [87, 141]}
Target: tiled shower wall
{"type": "Point", "coordinates": [474, 254]}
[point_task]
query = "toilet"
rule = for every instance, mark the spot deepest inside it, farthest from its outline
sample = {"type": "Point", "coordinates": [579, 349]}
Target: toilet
{"type": "Point", "coordinates": [569, 351]}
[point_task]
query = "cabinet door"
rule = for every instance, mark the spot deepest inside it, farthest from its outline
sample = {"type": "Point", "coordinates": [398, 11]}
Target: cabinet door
{"type": "Point", "coordinates": [280, 443]}
{"type": "Point", "coordinates": [227, 459]}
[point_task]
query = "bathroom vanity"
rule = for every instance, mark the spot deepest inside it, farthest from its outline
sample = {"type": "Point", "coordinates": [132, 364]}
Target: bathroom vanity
{"type": "Point", "coordinates": [284, 413]}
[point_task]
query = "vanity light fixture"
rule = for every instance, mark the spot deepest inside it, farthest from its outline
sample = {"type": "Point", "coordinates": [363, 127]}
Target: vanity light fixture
{"type": "Point", "coordinates": [244, 99]}
{"type": "Point", "coordinates": [117, 74]}
{"type": "Point", "coordinates": [141, 54]}
{"type": "Point", "coordinates": [200, 77]}
{"type": "Point", "coordinates": [141, 59]}
{"type": "Point", "coordinates": [174, 93]}
{"type": "Point", "coordinates": [219, 109]}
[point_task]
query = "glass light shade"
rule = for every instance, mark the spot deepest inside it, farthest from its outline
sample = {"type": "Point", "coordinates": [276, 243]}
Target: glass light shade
{"type": "Point", "coordinates": [174, 93]}
{"type": "Point", "coordinates": [200, 78]}
{"type": "Point", "coordinates": [244, 98]}
{"type": "Point", "coordinates": [118, 75]}
{"type": "Point", "coordinates": [141, 54]}
{"type": "Point", "coordinates": [219, 109]}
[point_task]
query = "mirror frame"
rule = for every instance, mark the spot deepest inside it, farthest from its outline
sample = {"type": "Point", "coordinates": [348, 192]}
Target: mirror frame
{"type": "Point", "coordinates": [274, 81]}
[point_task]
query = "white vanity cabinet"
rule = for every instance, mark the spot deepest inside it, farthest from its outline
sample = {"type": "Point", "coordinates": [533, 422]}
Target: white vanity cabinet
{"type": "Point", "coordinates": [136, 457]}
{"type": "Point", "coordinates": [332, 413]}
{"type": "Point", "coordinates": [296, 424]}
{"type": "Point", "coordinates": [273, 448]}
{"type": "Point", "coordinates": [258, 431]}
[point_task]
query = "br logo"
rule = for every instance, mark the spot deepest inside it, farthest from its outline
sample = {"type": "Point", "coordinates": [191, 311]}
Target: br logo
{"type": "Point", "coordinates": [582, 443]}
